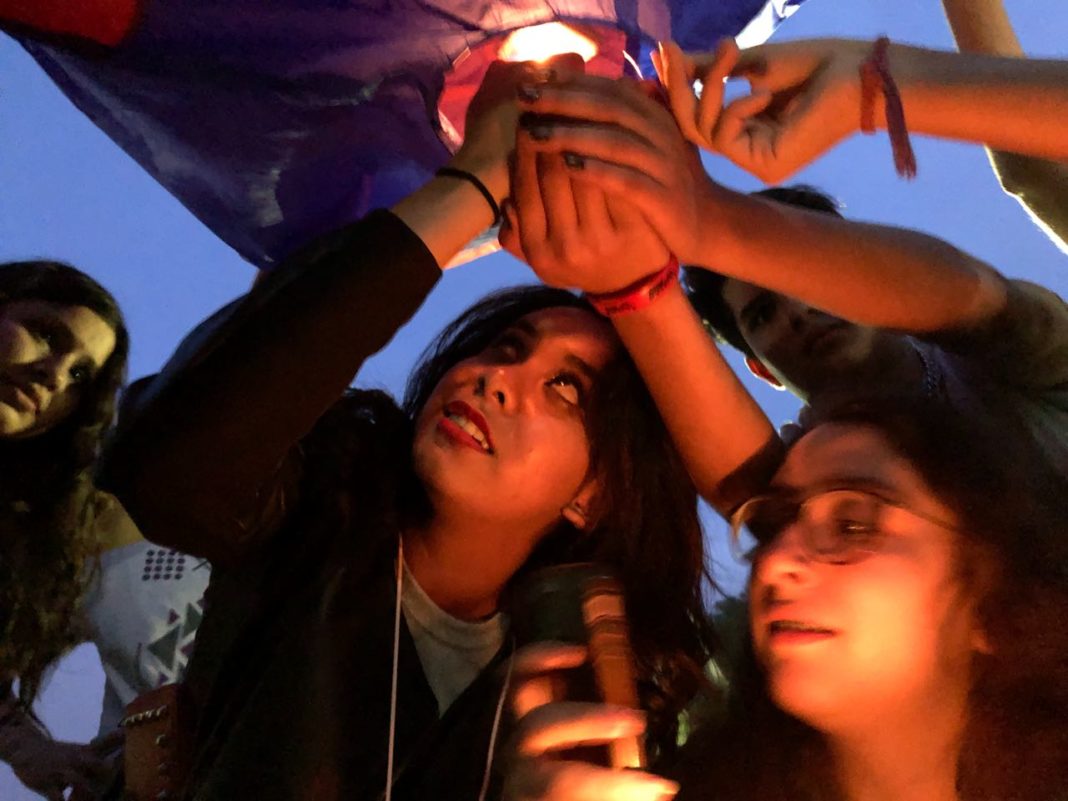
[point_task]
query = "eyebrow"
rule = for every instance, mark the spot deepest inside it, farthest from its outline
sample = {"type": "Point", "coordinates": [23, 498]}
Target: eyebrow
{"type": "Point", "coordinates": [876, 486]}
{"type": "Point", "coordinates": [526, 328]}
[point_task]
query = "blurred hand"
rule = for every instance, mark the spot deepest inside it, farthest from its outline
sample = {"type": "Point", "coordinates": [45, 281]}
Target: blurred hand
{"type": "Point", "coordinates": [490, 123]}
{"type": "Point", "coordinates": [49, 766]}
{"type": "Point", "coordinates": [805, 99]}
{"type": "Point", "coordinates": [535, 774]}
{"type": "Point", "coordinates": [696, 118]}
{"type": "Point", "coordinates": [571, 233]}
{"type": "Point", "coordinates": [614, 137]}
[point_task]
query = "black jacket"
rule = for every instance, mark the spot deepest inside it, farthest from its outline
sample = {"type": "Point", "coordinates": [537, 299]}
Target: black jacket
{"type": "Point", "coordinates": [291, 674]}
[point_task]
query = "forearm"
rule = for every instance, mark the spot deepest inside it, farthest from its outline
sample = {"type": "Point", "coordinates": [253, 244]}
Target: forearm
{"type": "Point", "coordinates": [871, 274]}
{"type": "Point", "coordinates": [1013, 104]}
{"type": "Point", "coordinates": [715, 423]}
{"type": "Point", "coordinates": [211, 432]}
{"type": "Point", "coordinates": [982, 26]}
{"type": "Point", "coordinates": [1041, 186]}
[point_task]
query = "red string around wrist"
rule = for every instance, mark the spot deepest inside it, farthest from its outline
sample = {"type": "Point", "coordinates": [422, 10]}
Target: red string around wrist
{"type": "Point", "coordinates": [638, 295]}
{"type": "Point", "coordinates": [875, 79]}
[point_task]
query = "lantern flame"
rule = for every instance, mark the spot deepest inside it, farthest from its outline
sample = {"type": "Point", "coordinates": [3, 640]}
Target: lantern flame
{"type": "Point", "coordinates": [542, 42]}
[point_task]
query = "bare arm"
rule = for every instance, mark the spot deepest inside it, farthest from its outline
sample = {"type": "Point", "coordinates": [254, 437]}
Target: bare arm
{"type": "Point", "coordinates": [1041, 186]}
{"type": "Point", "coordinates": [871, 274]}
{"type": "Point", "coordinates": [727, 443]}
{"type": "Point", "coordinates": [806, 98]}
{"type": "Point", "coordinates": [208, 460]}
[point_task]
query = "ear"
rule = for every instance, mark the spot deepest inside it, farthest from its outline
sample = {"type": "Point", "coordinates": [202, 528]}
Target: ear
{"type": "Point", "coordinates": [577, 512]}
{"type": "Point", "coordinates": [757, 368]}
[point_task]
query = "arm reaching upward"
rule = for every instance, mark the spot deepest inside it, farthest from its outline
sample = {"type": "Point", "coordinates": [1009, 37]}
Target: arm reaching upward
{"type": "Point", "coordinates": [807, 97]}
{"type": "Point", "coordinates": [1041, 185]}
{"type": "Point", "coordinates": [207, 462]}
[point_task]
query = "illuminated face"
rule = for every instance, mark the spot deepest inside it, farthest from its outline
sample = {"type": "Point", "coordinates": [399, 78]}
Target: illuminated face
{"type": "Point", "coordinates": [502, 438]}
{"type": "Point", "coordinates": [844, 642]}
{"type": "Point", "coordinates": [48, 355]}
{"type": "Point", "coordinates": [802, 347]}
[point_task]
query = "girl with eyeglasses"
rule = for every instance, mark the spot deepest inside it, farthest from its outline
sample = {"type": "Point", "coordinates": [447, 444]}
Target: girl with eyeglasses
{"type": "Point", "coordinates": [906, 612]}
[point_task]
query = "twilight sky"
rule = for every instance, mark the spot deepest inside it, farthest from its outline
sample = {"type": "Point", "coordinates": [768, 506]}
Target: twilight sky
{"type": "Point", "coordinates": [67, 192]}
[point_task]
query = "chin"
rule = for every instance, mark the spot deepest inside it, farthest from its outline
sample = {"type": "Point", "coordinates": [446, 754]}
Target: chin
{"type": "Point", "coordinates": [815, 700]}
{"type": "Point", "coordinates": [10, 424]}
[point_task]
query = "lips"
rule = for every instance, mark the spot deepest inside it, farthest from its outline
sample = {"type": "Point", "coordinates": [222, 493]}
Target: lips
{"type": "Point", "coordinates": [787, 631]}
{"type": "Point", "coordinates": [26, 398]}
{"type": "Point", "coordinates": [466, 425]}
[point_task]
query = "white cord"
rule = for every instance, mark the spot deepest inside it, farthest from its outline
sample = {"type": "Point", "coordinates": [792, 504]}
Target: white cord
{"type": "Point", "coordinates": [387, 796]}
{"type": "Point", "coordinates": [393, 682]}
{"type": "Point", "coordinates": [496, 726]}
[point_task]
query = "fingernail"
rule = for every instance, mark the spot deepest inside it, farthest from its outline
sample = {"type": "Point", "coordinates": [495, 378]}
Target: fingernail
{"type": "Point", "coordinates": [574, 161]}
{"type": "Point", "coordinates": [528, 92]}
{"type": "Point", "coordinates": [540, 132]}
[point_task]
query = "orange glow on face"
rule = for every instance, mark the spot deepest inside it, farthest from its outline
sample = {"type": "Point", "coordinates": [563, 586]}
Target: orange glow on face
{"type": "Point", "coordinates": [542, 42]}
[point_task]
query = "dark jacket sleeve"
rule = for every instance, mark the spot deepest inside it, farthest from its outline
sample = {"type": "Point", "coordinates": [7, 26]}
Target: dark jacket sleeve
{"type": "Point", "coordinates": [205, 454]}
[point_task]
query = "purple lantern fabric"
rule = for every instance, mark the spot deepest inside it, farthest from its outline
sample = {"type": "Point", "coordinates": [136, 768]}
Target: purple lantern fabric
{"type": "Point", "coordinates": [274, 121]}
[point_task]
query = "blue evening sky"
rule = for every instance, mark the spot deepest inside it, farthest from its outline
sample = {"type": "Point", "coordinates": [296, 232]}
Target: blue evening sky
{"type": "Point", "coordinates": [67, 192]}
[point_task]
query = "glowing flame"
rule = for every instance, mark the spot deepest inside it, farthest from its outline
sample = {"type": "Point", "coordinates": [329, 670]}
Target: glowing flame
{"type": "Point", "coordinates": [542, 42]}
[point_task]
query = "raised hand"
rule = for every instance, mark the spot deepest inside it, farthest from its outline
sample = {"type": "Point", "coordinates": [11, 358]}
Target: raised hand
{"type": "Point", "coordinates": [614, 136]}
{"type": "Point", "coordinates": [491, 118]}
{"type": "Point", "coordinates": [805, 99]}
{"type": "Point", "coordinates": [572, 233]}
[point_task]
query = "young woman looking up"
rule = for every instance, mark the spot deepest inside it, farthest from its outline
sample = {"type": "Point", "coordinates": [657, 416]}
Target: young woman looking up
{"type": "Point", "coordinates": [362, 551]}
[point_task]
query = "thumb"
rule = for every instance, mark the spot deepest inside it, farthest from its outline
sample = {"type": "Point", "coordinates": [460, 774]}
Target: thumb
{"type": "Point", "coordinates": [683, 103]}
{"type": "Point", "coordinates": [713, 79]}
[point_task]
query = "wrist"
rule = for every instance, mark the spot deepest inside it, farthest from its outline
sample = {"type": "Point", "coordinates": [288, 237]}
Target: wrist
{"type": "Point", "coordinates": [880, 99]}
{"type": "Point", "coordinates": [491, 170]}
{"type": "Point", "coordinates": [638, 295]}
{"type": "Point", "coordinates": [721, 215]}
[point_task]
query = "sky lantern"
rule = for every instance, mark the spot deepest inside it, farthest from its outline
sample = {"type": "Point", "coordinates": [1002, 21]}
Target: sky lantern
{"type": "Point", "coordinates": [275, 123]}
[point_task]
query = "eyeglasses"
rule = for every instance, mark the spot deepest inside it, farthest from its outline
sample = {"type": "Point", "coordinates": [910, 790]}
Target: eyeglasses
{"type": "Point", "coordinates": [838, 526]}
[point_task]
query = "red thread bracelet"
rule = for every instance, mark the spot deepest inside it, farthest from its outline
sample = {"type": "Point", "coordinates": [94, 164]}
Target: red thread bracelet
{"type": "Point", "coordinates": [875, 78]}
{"type": "Point", "coordinates": [637, 296]}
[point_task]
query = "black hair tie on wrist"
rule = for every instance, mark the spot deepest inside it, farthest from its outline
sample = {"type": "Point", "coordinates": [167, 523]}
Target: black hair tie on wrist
{"type": "Point", "coordinates": [474, 180]}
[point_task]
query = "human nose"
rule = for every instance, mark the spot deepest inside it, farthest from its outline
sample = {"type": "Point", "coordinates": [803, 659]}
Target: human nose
{"type": "Point", "coordinates": [786, 558]}
{"type": "Point", "coordinates": [53, 372]}
{"type": "Point", "coordinates": [502, 384]}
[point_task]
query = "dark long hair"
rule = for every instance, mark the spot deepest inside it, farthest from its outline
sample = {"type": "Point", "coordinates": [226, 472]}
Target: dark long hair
{"type": "Point", "coordinates": [47, 502]}
{"type": "Point", "coordinates": [647, 526]}
{"type": "Point", "coordinates": [1013, 554]}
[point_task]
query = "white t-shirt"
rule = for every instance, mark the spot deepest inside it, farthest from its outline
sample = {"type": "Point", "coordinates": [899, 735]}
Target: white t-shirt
{"type": "Point", "coordinates": [452, 651]}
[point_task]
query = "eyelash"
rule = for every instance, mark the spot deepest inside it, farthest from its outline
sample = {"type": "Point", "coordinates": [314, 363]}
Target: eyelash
{"type": "Point", "coordinates": [569, 379]}
{"type": "Point", "coordinates": [79, 373]}
{"type": "Point", "coordinates": [511, 348]}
